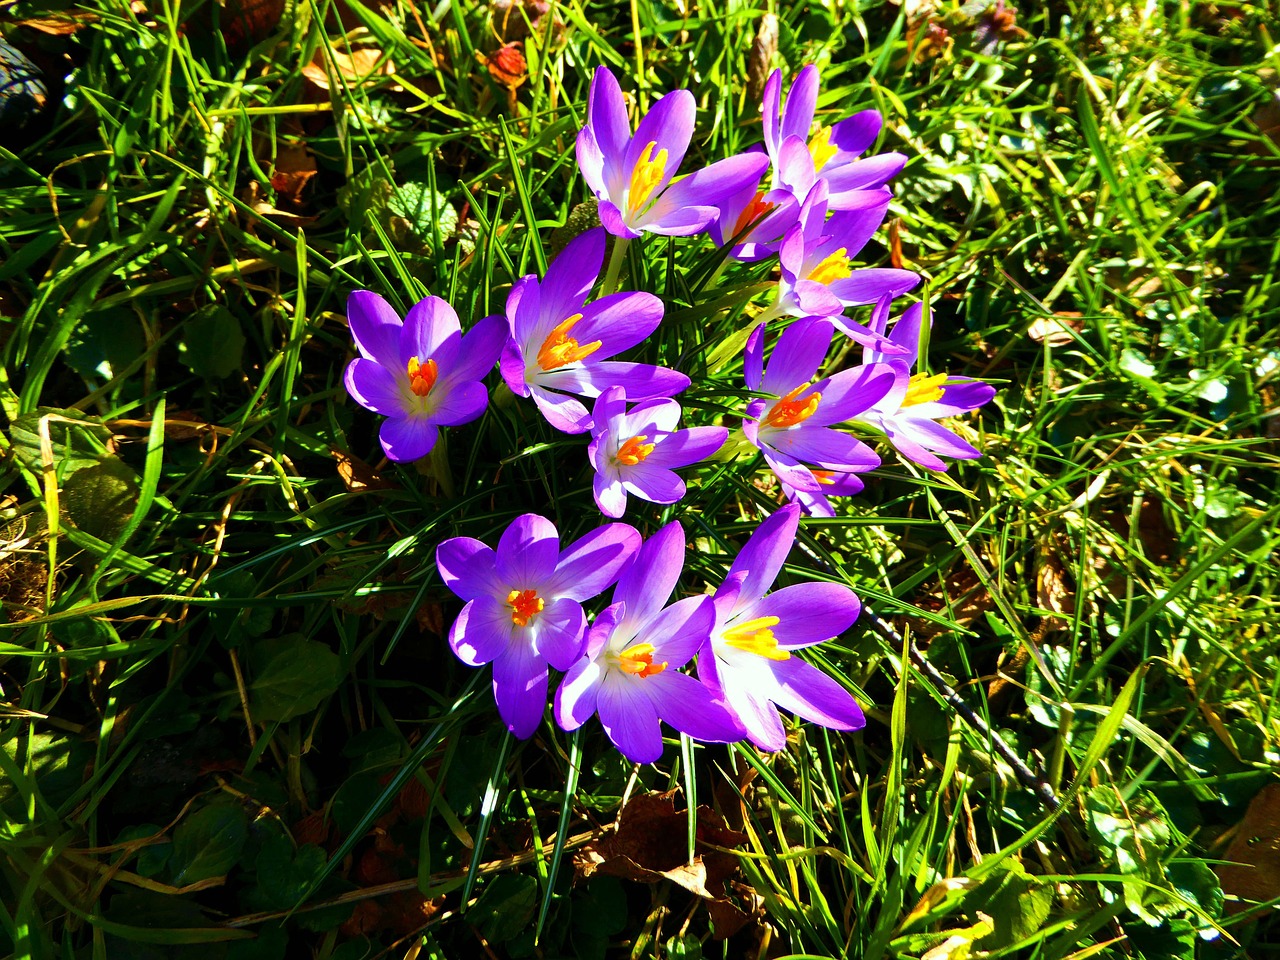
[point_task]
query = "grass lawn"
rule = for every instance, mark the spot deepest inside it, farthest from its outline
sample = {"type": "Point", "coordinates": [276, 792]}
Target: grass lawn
{"type": "Point", "coordinates": [231, 723]}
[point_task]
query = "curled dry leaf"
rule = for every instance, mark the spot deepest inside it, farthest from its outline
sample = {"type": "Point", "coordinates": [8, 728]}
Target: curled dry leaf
{"type": "Point", "coordinates": [360, 66]}
{"type": "Point", "coordinates": [763, 50]}
{"type": "Point", "coordinates": [356, 475]}
{"type": "Point", "coordinates": [1056, 329]}
{"type": "Point", "coordinates": [650, 844]}
{"type": "Point", "coordinates": [507, 65]}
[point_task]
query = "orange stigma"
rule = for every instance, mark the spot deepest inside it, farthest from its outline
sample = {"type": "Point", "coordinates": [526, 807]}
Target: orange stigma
{"type": "Point", "coordinates": [824, 476]}
{"type": "Point", "coordinates": [524, 604]}
{"type": "Point", "coordinates": [832, 268]}
{"type": "Point", "coordinates": [638, 661]}
{"type": "Point", "coordinates": [422, 376]}
{"type": "Point", "coordinates": [754, 636]}
{"type": "Point", "coordinates": [648, 173]}
{"type": "Point", "coordinates": [752, 212]}
{"type": "Point", "coordinates": [634, 451]}
{"type": "Point", "coordinates": [560, 349]}
{"type": "Point", "coordinates": [924, 389]}
{"type": "Point", "coordinates": [789, 411]}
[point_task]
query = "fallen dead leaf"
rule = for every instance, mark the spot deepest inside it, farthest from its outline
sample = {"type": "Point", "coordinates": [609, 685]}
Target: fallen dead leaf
{"type": "Point", "coordinates": [1254, 873]}
{"type": "Point", "coordinates": [293, 169]}
{"type": "Point", "coordinates": [358, 67]}
{"type": "Point", "coordinates": [650, 845]}
{"type": "Point", "coordinates": [507, 65]}
{"type": "Point", "coordinates": [63, 23]}
{"type": "Point", "coordinates": [1056, 330]}
{"type": "Point", "coordinates": [763, 49]}
{"type": "Point", "coordinates": [356, 475]}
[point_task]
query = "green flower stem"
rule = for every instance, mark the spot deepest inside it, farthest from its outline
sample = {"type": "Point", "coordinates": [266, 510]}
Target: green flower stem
{"type": "Point", "coordinates": [620, 245]}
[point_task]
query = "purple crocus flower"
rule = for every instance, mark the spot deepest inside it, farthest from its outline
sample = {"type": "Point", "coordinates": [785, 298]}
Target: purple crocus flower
{"type": "Point", "coordinates": [629, 673]}
{"type": "Point", "coordinates": [830, 483]}
{"type": "Point", "coordinates": [818, 279]}
{"type": "Point", "coordinates": [795, 429]}
{"type": "Point", "coordinates": [560, 344]}
{"type": "Point", "coordinates": [751, 661]}
{"type": "Point", "coordinates": [636, 452]}
{"type": "Point", "coordinates": [631, 176]}
{"type": "Point", "coordinates": [830, 153]}
{"type": "Point", "coordinates": [420, 373]}
{"type": "Point", "coordinates": [524, 605]}
{"type": "Point", "coordinates": [909, 412]}
{"type": "Point", "coordinates": [768, 214]}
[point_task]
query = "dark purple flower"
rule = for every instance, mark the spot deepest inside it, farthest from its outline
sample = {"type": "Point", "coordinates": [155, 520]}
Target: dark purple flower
{"type": "Point", "coordinates": [818, 276]}
{"type": "Point", "coordinates": [631, 176]}
{"type": "Point", "coordinates": [629, 673]}
{"type": "Point", "coordinates": [795, 429]}
{"type": "Point", "coordinates": [420, 373]}
{"type": "Point", "coordinates": [636, 452]}
{"type": "Point", "coordinates": [561, 345]}
{"type": "Point", "coordinates": [751, 658]}
{"type": "Point", "coordinates": [831, 153]}
{"type": "Point", "coordinates": [524, 605]}
{"type": "Point", "coordinates": [909, 412]}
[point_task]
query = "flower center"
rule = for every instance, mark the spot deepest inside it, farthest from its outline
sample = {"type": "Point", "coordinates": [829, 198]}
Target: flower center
{"type": "Point", "coordinates": [560, 349]}
{"type": "Point", "coordinates": [820, 148]}
{"type": "Point", "coordinates": [634, 451]}
{"type": "Point", "coordinates": [422, 376]}
{"type": "Point", "coordinates": [832, 268]}
{"type": "Point", "coordinates": [525, 605]}
{"type": "Point", "coordinates": [638, 661]}
{"type": "Point", "coordinates": [789, 411]}
{"type": "Point", "coordinates": [924, 389]}
{"type": "Point", "coordinates": [754, 636]}
{"type": "Point", "coordinates": [648, 173]}
{"type": "Point", "coordinates": [824, 476]}
{"type": "Point", "coordinates": [752, 212]}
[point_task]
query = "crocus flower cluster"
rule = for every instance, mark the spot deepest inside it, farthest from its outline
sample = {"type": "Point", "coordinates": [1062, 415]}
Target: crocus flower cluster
{"type": "Point", "coordinates": [718, 665]}
{"type": "Point", "coordinates": [523, 614]}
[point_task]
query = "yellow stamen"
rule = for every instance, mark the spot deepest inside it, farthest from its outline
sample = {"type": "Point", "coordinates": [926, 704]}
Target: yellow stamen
{"type": "Point", "coordinates": [924, 389]}
{"type": "Point", "coordinates": [832, 268]}
{"type": "Point", "coordinates": [560, 349]}
{"type": "Point", "coordinates": [789, 411]}
{"type": "Point", "coordinates": [820, 148]}
{"type": "Point", "coordinates": [422, 376]}
{"type": "Point", "coordinates": [634, 451]}
{"type": "Point", "coordinates": [754, 636]}
{"type": "Point", "coordinates": [824, 476]}
{"type": "Point", "coordinates": [638, 661]}
{"type": "Point", "coordinates": [524, 604]}
{"type": "Point", "coordinates": [646, 176]}
{"type": "Point", "coordinates": [752, 212]}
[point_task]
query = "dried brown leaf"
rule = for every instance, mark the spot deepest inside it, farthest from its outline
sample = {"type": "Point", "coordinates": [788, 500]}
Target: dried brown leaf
{"type": "Point", "coordinates": [1254, 873]}
{"type": "Point", "coordinates": [360, 66]}
{"type": "Point", "coordinates": [1057, 329]}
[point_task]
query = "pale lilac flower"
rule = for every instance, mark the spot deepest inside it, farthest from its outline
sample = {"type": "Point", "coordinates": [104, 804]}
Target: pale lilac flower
{"type": "Point", "coordinates": [818, 276]}
{"type": "Point", "coordinates": [909, 412]}
{"type": "Point", "coordinates": [629, 673]}
{"type": "Point", "coordinates": [631, 176]}
{"type": "Point", "coordinates": [636, 452]}
{"type": "Point", "coordinates": [561, 345]}
{"type": "Point", "coordinates": [421, 373]}
{"type": "Point", "coordinates": [831, 153]}
{"type": "Point", "coordinates": [524, 605]}
{"type": "Point", "coordinates": [752, 659]}
{"type": "Point", "coordinates": [795, 429]}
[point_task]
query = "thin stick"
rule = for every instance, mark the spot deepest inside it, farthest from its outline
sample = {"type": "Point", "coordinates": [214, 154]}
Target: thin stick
{"type": "Point", "coordinates": [1036, 784]}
